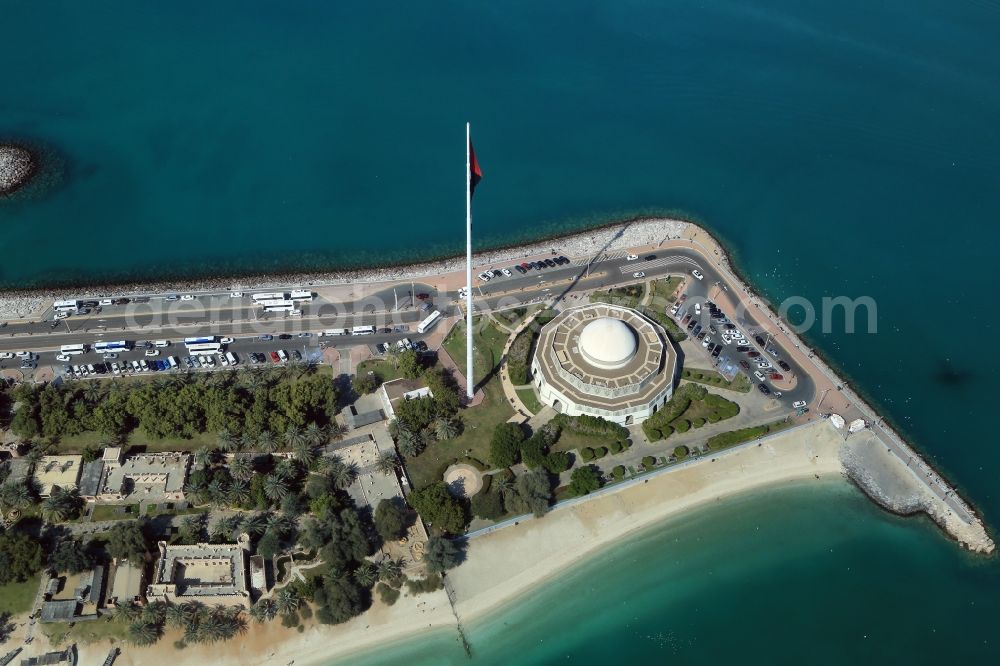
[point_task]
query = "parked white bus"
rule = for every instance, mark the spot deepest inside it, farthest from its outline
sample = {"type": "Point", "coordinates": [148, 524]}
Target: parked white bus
{"type": "Point", "coordinates": [335, 331]}
{"type": "Point", "coordinates": [110, 346]}
{"type": "Point", "coordinates": [199, 340]}
{"type": "Point", "coordinates": [273, 296]}
{"type": "Point", "coordinates": [73, 350]}
{"type": "Point", "coordinates": [280, 306]}
{"type": "Point", "coordinates": [204, 348]}
{"type": "Point", "coordinates": [65, 306]}
{"type": "Point", "coordinates": [426, 324]}
{"type": "Point", "coordinates": [363, 330]}
{"type": "Point", "coordinates": [302, 295]}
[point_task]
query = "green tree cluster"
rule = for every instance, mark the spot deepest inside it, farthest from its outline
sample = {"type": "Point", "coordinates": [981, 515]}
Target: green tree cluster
{"type": "Point", "coordinates": [20, 557]}
{"type": "Point", "coordinates": [437, 506]}
{"type": "Point", "coordinates": [505, 444]}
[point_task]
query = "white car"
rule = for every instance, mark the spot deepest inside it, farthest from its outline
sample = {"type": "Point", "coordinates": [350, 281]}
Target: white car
{"type": "Point", "coordinates": [759, 375]}
{"type": "Point", "coordinates": [144, 365]}
{"type": "Point", "coordinates": [728, 340]}
{"type": "Point", "coordinates": [697, 274]}
{"type": "Point", "coordinates": [706, 342]}
{"type": "Point", "coordinates": [463, 292]}
{"type": "Point", "coordinates": [631, 257]}
{"type": "Point", "coordinates": [485, 277]}
{"type": "Point", "coordinates": [674, 309]}
{"type": "Point", "coordinates": [236, 294]}
{"type": "Point", "coordinates": [7, 355]}
{"type": "Point", "coordinates": [110, 356]}
{"type": "Point", "coordinates": [506, 272]}
{"type": "Point", "coordinates": [63, 357]}
{"type": "Point", "coordinates": [799, 404]}
{"type": "Point", "coordinates": [152, 352]}
{"type": "Point", "coordinates": [61, 315]}
{"type": "Point", "coordinates": [697, 308]}
{"type": "Point", "coordinates": [187, 297]}
{"type": "Point", "coordinates": [640, 274]}
{"type": "Point", "coordinates": [763, 365]}
{"type": "Point", "coordinates": [226, 341]}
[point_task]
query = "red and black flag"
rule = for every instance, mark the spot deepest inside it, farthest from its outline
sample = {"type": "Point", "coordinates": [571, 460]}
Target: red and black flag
{"type": "Point", "coordinates": [475, 173]}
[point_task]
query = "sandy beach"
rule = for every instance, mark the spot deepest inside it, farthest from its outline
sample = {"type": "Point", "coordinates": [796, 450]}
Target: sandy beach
{"type": "Point", "coordinates": [507, 563]}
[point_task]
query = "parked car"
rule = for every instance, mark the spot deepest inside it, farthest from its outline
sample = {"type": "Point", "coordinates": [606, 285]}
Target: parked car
{"type": "Point", "coordinates": [759, 375]}
{"type": "Point", "coordinates": [799, 404]}
{"type": "Point", "coordinates": [697, 309]}
{"type": "Point", "coordinates": [745, 365]}
{"type": "Point", "coordinates": [265, 338]}
{"type": "Point", "coordinates": [638, 274]}
{"type": "Point", "coordinates": [784, 366]}
{"type": "Point", "coordinates": [152, 352]}
{"type": "Point", "coordinates": [187, 297]}
{"type": "Point", "coordinates": [753, 354]}
{"type": "Point", "coordinates": [275, 357]}
{"type": "Point", "coordinates": [697, 274]}
{"type": "Point", "coordinates": [5, 355]}
{"type": "Point", "coordinates": [763, 389]}
{"type": "Point", "coordinates": [506, 271]}
{"type": "Point", "coordinates": [631, 257]}
{"type": "Point", "coordinates": [776, 376]}
{"type": "Point", "coordinates": [110, 356]}
{"type": "Point", "coordinates": [650, 257]}
{"type": "Point", "coordinates": [225, 341]}
{"type": "Point", "coordinates": [296, 355]}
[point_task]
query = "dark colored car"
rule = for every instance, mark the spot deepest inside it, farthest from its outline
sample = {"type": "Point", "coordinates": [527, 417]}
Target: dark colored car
{"type": "Point", "coordinates": [120, 301]}
{"type": "Point", "coordinates": [423, 297]}
{"type": "Point", "coordinates": [701, 336]}
{"type": "Point", "coordinates": [285, 336]}
{"type": "Point", "coordinates": [776, 376]}
{"type": "Point", "coordinates": [763, 389]}
{"type": "Point", "coordinates": [759, 340]}
{"type": "Point", "coordinates": [562, 260]}
{"type": "Point", "coordinates": [730, 327]}
{"type": "Point", "coordinates": [141, 299]}
{"type": "Point", "coordinates": [696, 330]}
{"type": "Point", "coordinates": [650, 257]}
{"type": "Point", "coordinates": [717, 351]}
{"type": "Point", "coordinates": [742, 348]}
{"type": "Point", "coordinates": [526, 267]}
{"type": "Point", "coordinates": [784, 366]}
{"type": "Point", "coordinates": [265, 338]}
{"type": "Point", "coordinates": [687, 318]}
{"type": "Point", "coordinates": [497, 273]}
{"type": "Point", "coordinates": [753, 354]}
{"type": "Point", "coordinates": [275, 357]}
{"type": "Point", "coordinates": [691, 324]}
{"type": "Point", "coordinates": [550, 263]}
{"type": "Point", "coordinates": [520, 269]}
{"type": "Point", "coordinates": [296, 355]}
{"type": "Point", "coordinates": [745, 365]}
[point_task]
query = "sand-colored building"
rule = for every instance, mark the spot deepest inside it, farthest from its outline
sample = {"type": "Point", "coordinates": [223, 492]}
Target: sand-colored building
{"type": "Point", "coordinates": [127, 583]}
{"type": "Point", "coordinates": [214, 574]}
{"type": "Point", "coordinates": [61, 471]}
{"type": "Point", "coordinates": [604, 360]}
{"type": "Point", "coordinates": [153, 476]}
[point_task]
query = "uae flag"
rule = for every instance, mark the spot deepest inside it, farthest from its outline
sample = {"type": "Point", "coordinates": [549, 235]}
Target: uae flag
{"type": "Point", "coordinates": [475, 173]}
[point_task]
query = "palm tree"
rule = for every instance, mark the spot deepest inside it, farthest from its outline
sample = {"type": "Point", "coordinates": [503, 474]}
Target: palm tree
{"type": "Point", "coordinates": [445, 429]}
{"type": "Point", "coordinates": [60, 505]}
{"type": "Point", "coordinates": [267, 442]}
{"type": "Point", "coordinates": [216, 491]}
{"type": "Point", "coordinates": [36, 453]}
{"type": "Point", "coordinates": [294, 437]}
{"type": "Point", "coordinates": [503, 485]}
{"type": "Point", "coordinates": [314, 433]}
{"type": "Point", "coordinates": [126, 611]}
{"type": "Point", "coordinates": [263, 610]}
{"type": "Point", "coordinates": [387, 462]}
{"type": "Point", "coordinates": [254, 524]}
{"type": "Point", "coordinates": [275, 488]}
{"type": "Point", "coordinates": [92, 392]}
{"type": "Point", "coordinates": [344, 474]}
{"type": "Point", "coordinates": [281, 524]}
{"type": "Point", "coordinates": [305, 452]}
{"type": "Point", "coordinates": [227, 441]}
{"type": "Point", "coordinates": [15, 496]}
{"type": "Point", "coordinates": [366, 574]}
{"type": "Point", "coordinates": [287, 601]}
{"type": "Point", "coordinates": [155, 612]}
{"type": "Point", "coordinates": [238, 493]}
{"type": "Point", "coordinates": [203, 457]}
{"type": "Point", "coordinates": [410, 443]}
{"type": "Point", "coordinates": [241, 467]}
{"type": "Point", "coordinates": [143, 633]}
{"type": "Point", "coordinates": [390, 569]}
{"type": "Point", "coordinates": [179, 614]}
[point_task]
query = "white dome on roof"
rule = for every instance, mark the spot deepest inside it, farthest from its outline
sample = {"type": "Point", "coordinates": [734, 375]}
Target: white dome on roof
{"type": "Point", "coordinates": [607, 343]}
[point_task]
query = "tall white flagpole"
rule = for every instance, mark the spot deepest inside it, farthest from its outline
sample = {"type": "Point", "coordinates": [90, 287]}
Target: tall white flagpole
{"type": "Point", "coordinates": [470, 386]}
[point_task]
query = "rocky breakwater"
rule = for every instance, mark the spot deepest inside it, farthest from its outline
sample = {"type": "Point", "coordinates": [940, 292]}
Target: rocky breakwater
{"type": "Point", "coordinates": [17, 166]}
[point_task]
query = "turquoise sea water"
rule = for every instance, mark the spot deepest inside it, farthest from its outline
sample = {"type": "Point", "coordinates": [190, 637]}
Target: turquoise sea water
{"type": "Point", "coordinates": [840, 149]}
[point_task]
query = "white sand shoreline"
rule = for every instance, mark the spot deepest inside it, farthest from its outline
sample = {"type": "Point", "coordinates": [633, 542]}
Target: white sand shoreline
{"type": "Point", "coordinates": [505, 565]}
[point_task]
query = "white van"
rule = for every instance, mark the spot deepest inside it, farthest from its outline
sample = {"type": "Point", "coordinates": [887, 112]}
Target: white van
{"type": "Point", "coordinates": [172, 360]}
{"type": "Point", "coordinates": [282, 355]}
{"type": "Point", "coordinates": [106, 301]}
{"type": "Point", "coordinates": [161, 343]}
{"type": "Point", "coordinates": [231, 357]}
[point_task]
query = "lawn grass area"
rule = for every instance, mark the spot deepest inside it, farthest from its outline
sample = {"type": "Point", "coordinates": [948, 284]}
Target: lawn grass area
{"type": "Point", "coordinates": [112, 512]}
{"type": "Point", "coordinates": [663, 290]}
{"type": "Point", "coordinates": [138, 439]}
{"type": "Point", "coordinates": [383, 367]}
{"type": "Point", "coordinates": [674, 332]}
{"type": "Point", "coordinates": [162, 509]}
{"type": "Point", "coordinates": [16, 598]}
{"type": "Point", "coordinates": [569, 440]}
{"type": "Point", "coordinates": [93, 631]}
{"type": "Point", "coordinates": [629, 296]}
{"type": "Point", "coordinates": [478, 421]}
{"type": "Point", "coordinates": [530, 400]}
{"type": "Point", "coordinates": [712, 378]}
{"type": "Point", "coordinates": [724, 440]}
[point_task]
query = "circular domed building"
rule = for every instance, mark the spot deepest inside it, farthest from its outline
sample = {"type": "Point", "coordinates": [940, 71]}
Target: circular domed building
{"type": "Point", "coordinates": [604, 360]}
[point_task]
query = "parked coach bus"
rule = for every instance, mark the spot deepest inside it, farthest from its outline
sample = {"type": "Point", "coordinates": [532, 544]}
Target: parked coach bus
{"type": "Point", "coordinates": [335, 331]}
{"type": "Point", "coordinates": [199, 340]}
{"type": "Point", "coordinates": [66, 306]}
{"type": "Point", "coordinates": [203, 348]}
{"type": "Point", "coordinates": [426, 324]}
{"type": "Point", "coordinates": [112, 346]}
{"type": "Point", "coordinates": [73, 350]}
{"type": "Point", "coordinates": [302, 295]}
{"type": "Point", "coordinates": [363, 330]}
{"type": "Point", "coordinates": [274, 296]}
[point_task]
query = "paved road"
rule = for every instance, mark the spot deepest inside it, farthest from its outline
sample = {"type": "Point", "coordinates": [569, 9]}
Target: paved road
{"type": "Point", "coordinates": [215, 314]}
